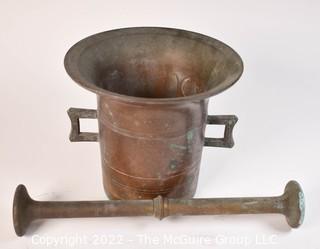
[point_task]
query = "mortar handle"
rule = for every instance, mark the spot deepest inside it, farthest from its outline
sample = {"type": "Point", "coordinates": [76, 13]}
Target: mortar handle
{"type": "Point", "coordinates": [76, 135]}
{"type": "Point", "coordinates": [229, 122]}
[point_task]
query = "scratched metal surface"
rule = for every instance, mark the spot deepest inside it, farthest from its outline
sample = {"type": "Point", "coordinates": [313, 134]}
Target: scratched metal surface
{"type": "Point", "coordinates": [153, 86]}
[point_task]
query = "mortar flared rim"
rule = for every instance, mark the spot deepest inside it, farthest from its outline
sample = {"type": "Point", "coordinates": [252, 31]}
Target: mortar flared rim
{"type": "Point", "coordinates": [74, 53]}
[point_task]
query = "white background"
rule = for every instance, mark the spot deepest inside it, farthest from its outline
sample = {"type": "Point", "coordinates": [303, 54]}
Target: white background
{"type": "Point", "coordinates": [277, 102]}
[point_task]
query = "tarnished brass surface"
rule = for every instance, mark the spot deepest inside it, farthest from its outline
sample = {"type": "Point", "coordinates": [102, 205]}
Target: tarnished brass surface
{"type": "Point", "coordinates": [152, 86]}
{"type": "Point", "coordinates": [290, 204]}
